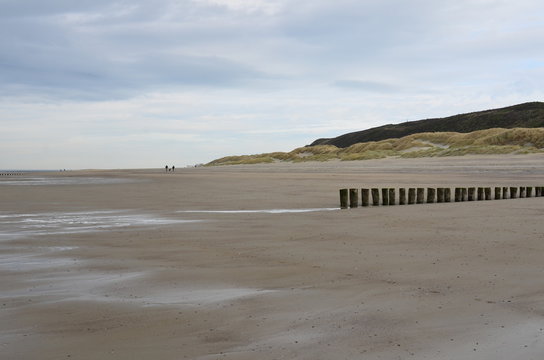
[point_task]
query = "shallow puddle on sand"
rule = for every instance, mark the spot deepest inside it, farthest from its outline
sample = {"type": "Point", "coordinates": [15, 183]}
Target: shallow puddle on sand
{"type": "Point", "coordinates": [20, 263]}
{"type": "Point", "coordinates": [57, 286]}
{"type": "Point", "coordinates": [18, 225]}
{"type": "Point", "coordinates": [200, 296]}
{"type": "Point", "coordinates": [122, 288]}
{"type": "Point", "coordinates": [59, 278]}
{"type": "Point", "coordinates": [20, 259]}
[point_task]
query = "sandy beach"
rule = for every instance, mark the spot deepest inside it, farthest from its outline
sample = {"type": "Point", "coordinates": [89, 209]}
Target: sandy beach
{"type": "Point", "coordinates": [258, 262]}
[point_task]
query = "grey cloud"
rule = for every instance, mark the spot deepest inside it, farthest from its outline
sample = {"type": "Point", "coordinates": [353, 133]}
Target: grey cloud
{"type": "Point", "coordinates": [359, 27]}
{"type": "Point", "coordinates": [118, 48]}
{"type": "Point", "coordinates": [96, 78]}
{"type": "Point", "coordinates": [101, 58]}
{"type": "Point", "coordinates": [38, 8]}
{"type": "Point", "coordinates": [178, 43]}
{"type": "Point", "coordinates": [411, 35]}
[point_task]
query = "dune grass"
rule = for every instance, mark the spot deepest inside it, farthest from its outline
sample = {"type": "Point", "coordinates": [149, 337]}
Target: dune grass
{"type": "Point", "coordinates": [435, 144]}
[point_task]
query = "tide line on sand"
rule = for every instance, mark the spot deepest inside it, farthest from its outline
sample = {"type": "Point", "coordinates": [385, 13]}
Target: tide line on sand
{"type": "Point", "coordinates": [257, 211]}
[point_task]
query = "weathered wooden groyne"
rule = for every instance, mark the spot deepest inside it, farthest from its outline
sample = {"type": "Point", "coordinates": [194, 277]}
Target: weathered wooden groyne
{"type": "Point", "coordinates": [349, 198]}
{"type": "Point", "coordinates": [11, 173]}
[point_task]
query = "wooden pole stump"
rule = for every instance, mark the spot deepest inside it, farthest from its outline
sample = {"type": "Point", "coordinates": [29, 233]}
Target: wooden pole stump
{"type": "Point", "coordinates": [440, 195]}
{"type": "Point", "coordinates": [411, 196]}
{"type": "Point", "coordinates": [376, 197]}
{"type": "Point", "coordinates": [431, 193]}
{"type": "Point", "coordinates": [487, 193]}
{"type": "Point", "coordinates": [365, 197]}
{"type": "Point", "coordinates": [471, 193]}
{"type": "Point", "coordinates": [392, 196]}
{"type": "Point", "coordinates": [420, 196]}
{"type": "Point", "coordinates": [353, 198]}
{"type": "Point", "coordinates": [513, 192]}
{"type": "Point", "coordinates": [343, 198]}
{"type": "Point", "coordinates": [529, 191]}
{"type": "Point", "coordinates": [447, 195]}
{"type": "Point", "coordinates": [498, 195]}
{"type": "Point", "coordinates": [402, 196]}
{"type": "Point", "coordinates": [385, 196]}
{"type": "Point", "coordinates": [457, 194]}
{"type": "Point", "coordinates": [480, 193]}
{"type": "Point", "coordinates": [522, 191]}
{"type": "Point", "coordinates": [538, 191]}
{"type": "Point", "coordinates": [504, 192]}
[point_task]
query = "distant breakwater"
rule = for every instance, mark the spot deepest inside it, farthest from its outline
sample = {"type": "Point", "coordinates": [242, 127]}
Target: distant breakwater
{"type": "Point", "coordinates": [12, 173]}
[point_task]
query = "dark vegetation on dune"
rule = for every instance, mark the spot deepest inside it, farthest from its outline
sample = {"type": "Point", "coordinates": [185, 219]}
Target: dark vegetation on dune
{"type": "Point", "coordinates": [527, 115]}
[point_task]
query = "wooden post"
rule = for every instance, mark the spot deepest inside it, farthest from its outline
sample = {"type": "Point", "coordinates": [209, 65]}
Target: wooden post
{"type": "Point", "coordinates": [464, 194]}
{"type": "Point", "coordinates": [480, 193]}
{"type": "Point", "coordinates": [529, 191]}
{"type": "Point", "coordinates": [522, 191]}
{"type": "Point", "coordinates": [504, 192]}
{"type": "Point", "coordinates": [457, 194]}
{"type": "Point", "coordinates": [447, 195]}
{"type": "Point", "coordinates": [343, 198]}
{"type": "Point", "coordinates": [365, 197]}
{"type": "Point", "coordinates": [538, 191]}
{"type": "Point", "coordinates": [440, 195]}
{"type": "Point", "coordinates": [385, 196]}
{"type": "Point", "coordinates": [392, 196]}
{"type": "Point", "coordinates": [411, 196]}
{"type": "Point", "coordinates": [471, 193]}
{"type": "Point", "coordinates": [498, 193]}
{"type": "Point", "coordinates": [513, 192]}
{"type": "Point", "coordinates": [420, 195]}
{"type": "Point", "coordinates": [487, 192]}
{"type": "Point", "coordinates": [431, 192]}
{"type": "Point", "coordinates": [375, 197]}
{"type": "Point", "coordinates": [402, 196]}
{"type": "Point", "coordinates": [353, 198]}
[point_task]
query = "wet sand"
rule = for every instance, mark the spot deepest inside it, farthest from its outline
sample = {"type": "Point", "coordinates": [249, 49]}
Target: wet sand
{"type": "Point", "coordinates": [207, 263]}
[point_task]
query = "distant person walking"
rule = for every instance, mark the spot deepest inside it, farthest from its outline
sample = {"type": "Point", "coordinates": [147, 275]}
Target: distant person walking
{"type": "Point", "coordinates": [173, 168]}
{"type": "Point", "coordinates": [166, 168]}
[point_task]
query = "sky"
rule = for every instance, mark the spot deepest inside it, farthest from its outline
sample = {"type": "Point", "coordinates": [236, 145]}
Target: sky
{"type": "Point", "coordinates": [112, 84]}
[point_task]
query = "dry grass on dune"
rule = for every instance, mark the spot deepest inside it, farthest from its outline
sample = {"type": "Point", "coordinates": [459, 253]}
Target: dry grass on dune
{"type": "Point", "coordinates": [432, 144]}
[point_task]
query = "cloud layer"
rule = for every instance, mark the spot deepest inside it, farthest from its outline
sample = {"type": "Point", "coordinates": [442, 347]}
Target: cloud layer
{"type": "Point", "coordinates": [187, 81]}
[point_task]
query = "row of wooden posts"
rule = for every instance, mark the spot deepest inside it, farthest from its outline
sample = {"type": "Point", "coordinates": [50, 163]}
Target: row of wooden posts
{"type": "Point", "coordinates": [350, 197]}
{"type": "Point", "coordinates": [11, 173]}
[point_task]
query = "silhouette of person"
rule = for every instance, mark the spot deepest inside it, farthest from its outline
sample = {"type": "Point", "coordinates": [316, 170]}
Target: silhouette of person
{"type": "Point", "coordinates": [173, 168]}
{"type": "Point", "coordinates": [166, 168]}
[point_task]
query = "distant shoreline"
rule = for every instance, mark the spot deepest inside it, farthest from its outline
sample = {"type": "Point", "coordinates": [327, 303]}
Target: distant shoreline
{"type": "Point", "coordinates": [27, 171]}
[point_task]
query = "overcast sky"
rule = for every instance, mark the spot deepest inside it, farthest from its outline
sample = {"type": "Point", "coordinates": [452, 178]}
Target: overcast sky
{"type": "Point", "coordinates": [145, 83]}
